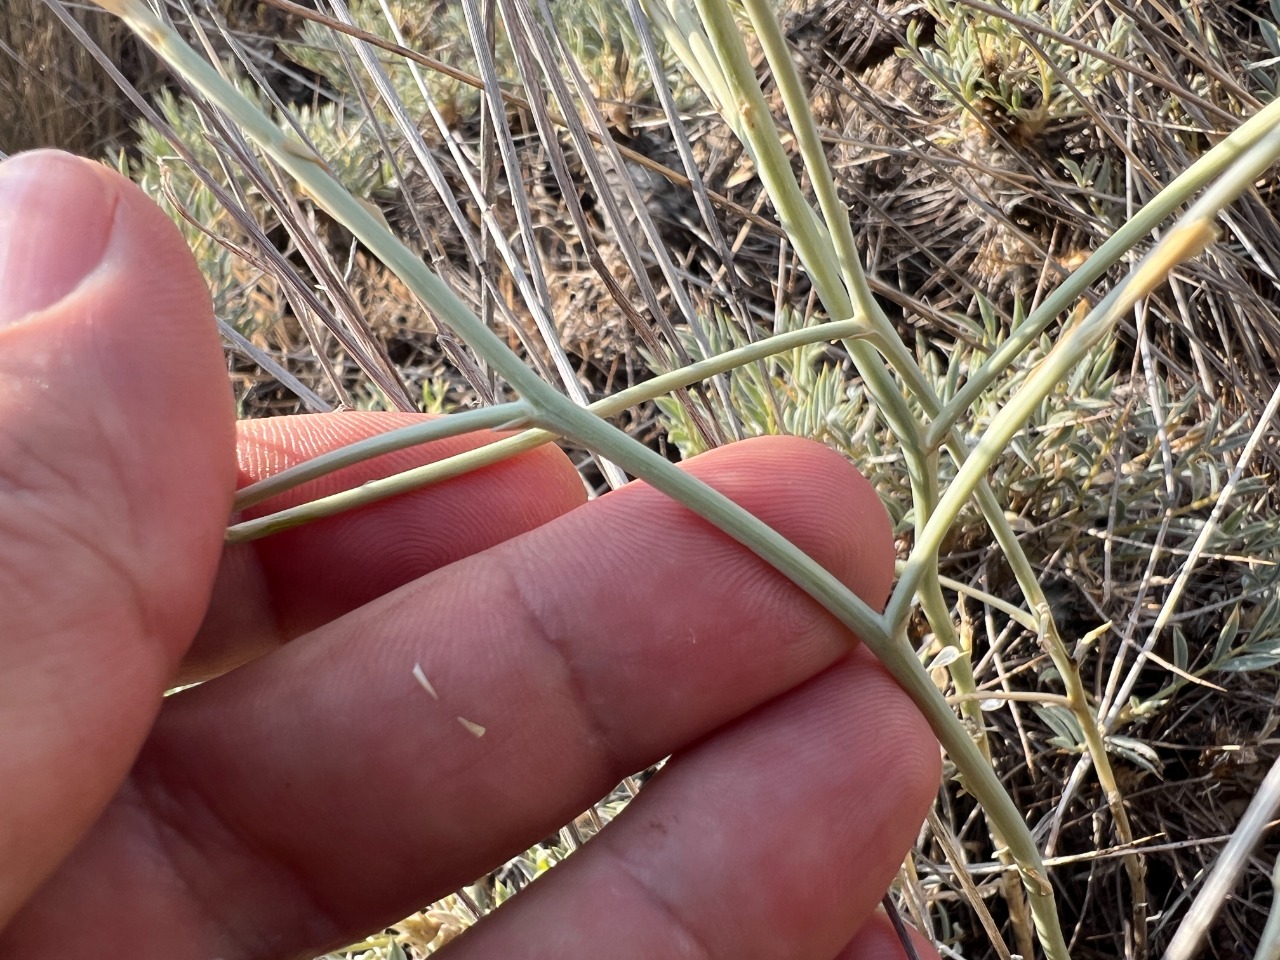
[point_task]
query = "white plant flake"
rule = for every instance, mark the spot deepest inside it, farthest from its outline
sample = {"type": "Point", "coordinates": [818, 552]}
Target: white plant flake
{"type": "Point", "coordinates": [424, 682]}
{"type": "Point", "coordinates": [472, 727]}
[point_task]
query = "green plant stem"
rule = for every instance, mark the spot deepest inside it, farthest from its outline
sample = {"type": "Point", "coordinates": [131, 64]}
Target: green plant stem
{"type": "Point", "coordinates": [922, 462]}
{"type": "Point", "coordinates": [458, 464]}
{"type": "Point", "coordinates": [813, 242]}
{"type": "Point", "coordinates": [1014, 613]}
{"type": "Point", "coordinates": [796, 103]}
{"type": "Point", "coordinates": [1269, 941]}
{"type": "Point", "coordinates": [884, 336]}
{"type": "Point", "coordinates": [375, 490]}
{"type": "Point", "coordinates": [835, 214]}
{"type": "Point", "coordinates": [836, 217]}
{"type": "Point", "coordinates": [922, 468]}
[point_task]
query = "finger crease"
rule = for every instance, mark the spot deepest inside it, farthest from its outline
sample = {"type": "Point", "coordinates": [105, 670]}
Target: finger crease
{"type": "Point", "coordinates": [598, 734]}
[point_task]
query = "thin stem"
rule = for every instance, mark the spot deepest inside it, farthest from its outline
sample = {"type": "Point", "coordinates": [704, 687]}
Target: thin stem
{"type": "Point", "coordinates": [458, 464]}
{"type": "Point", "coordinates": [486, 418]}
{"type": "Point", "coordinates": [1192, 234]}
{"type": "Point", "coordinates": [1269, 942]}
{"type": "Point", "coordinates": [751, 119]}
{"type": "Point", "coordinates": [813, 241]}
{"type": "Point", "coordinates": [795, 100]}
{"type": "Point", "coordinates": [1227, 868]}
{"type": "Point", "coordinates": [1014, 613]}
{"type": "Point", "coordinates": [748, 112]}
{"type": "Point", "coordinates": [375, 490]}
{"type": "Point", "coordinates": [1204, 171]}
{"type": "Point", "coordinates": [1188, 239]}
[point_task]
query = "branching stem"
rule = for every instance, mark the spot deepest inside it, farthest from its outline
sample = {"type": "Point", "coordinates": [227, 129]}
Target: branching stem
{"type": "Point", "coordinates": [713, 46]}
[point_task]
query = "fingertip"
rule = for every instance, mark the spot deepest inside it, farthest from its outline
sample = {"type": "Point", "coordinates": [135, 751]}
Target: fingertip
{"type": "Point", "coordinates": [41, 192]}
{"type": "Point", "coordinates": [145, 326]}
{"type": "Point", "coordinates": [872, 767]}
{"type": "Point", "coordinates": [117, 395]}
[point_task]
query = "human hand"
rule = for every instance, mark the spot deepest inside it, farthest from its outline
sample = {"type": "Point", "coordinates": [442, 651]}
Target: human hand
{"type": "Point", "coordinates": [318, 792]}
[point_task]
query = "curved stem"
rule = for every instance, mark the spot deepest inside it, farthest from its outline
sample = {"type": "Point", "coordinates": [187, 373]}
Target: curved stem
{"type": "Point", "coordinates": [750, 117]}
{"type": "Point", "coordinates": [1204, 171]}
{"type": "Point", "coordinates": [942, 419]}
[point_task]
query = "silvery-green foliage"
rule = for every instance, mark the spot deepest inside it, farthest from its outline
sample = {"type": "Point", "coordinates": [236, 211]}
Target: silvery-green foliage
{"type": "Point", "coordinates": [336, 127]}
{"type": "Point", "coordinates": [983, 62]}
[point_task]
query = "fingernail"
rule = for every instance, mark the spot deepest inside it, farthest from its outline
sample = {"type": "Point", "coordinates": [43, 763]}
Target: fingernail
{"type": "Point", "coordinates": [55, 218]}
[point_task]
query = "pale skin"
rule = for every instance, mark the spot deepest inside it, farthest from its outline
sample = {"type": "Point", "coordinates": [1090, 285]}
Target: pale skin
{"type": "Point", "coordinates": [318, 792]}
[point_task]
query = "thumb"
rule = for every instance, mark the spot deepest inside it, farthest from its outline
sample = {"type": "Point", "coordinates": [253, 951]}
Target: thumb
{"type": "Point", "coordinates": [116, 473]}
